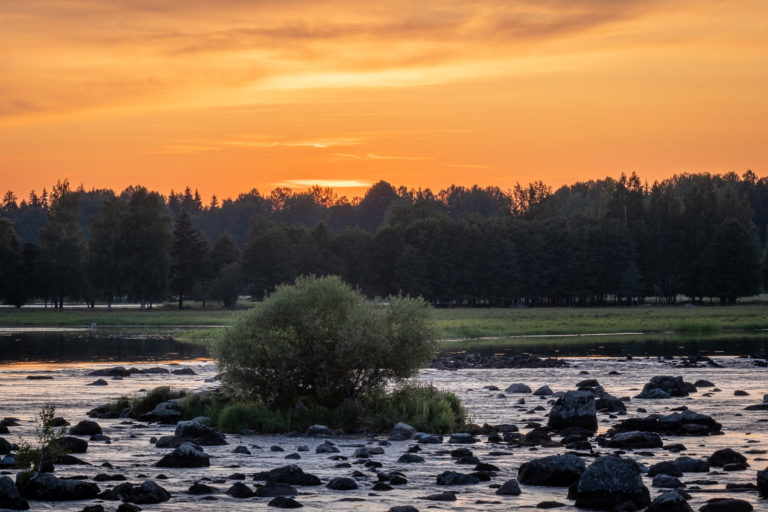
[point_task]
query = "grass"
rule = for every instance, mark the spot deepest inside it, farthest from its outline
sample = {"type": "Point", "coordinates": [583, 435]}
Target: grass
{"type": "Point", "coordinates": [423, 407]}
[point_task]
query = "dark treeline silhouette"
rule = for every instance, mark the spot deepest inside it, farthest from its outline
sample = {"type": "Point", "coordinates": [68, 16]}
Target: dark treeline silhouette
{"type": "Point", "coordinates": [698, 236]}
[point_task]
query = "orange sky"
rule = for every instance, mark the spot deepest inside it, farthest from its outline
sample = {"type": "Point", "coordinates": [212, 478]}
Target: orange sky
{"type": "Point", "coordinates": [235, 94]}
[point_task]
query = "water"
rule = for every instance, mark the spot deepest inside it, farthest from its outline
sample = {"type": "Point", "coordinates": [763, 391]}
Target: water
{"type": "Point", "coordinates": [133, 455]}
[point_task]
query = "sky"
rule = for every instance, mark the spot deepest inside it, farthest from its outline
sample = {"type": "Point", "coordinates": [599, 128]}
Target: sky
{"type": "Point", "coordinates": [232, 95]}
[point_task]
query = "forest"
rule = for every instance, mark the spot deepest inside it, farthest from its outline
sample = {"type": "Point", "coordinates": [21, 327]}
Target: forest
{"type": "Point", "coordinates": [691, 237]}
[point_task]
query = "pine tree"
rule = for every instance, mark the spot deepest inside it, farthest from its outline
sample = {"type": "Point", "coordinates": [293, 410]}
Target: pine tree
{"type": "Point", "coordinates": [188, 254]}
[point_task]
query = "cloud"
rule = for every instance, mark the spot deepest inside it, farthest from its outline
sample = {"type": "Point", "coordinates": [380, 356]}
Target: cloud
{"type": "Point", "coordinates": [374, 156]}
{"type": "Point", "coordinates": [324, 183]}
{"type": "Point", "coordinates": [470, 166]}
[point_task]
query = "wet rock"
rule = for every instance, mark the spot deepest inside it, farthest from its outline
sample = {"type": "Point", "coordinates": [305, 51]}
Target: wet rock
{"type": "Point", "coordinates": [93, 508]}
{"type": "Point", "coordinates": [46, 487]}
{"type": "Point", "coordinates": [409, 458]}
{"type": "Point", "coordinates": [725, 456]}
{"type": "Point", "coordinates": [574, 409]}
{"type": "Point", "coordinates": [342, 484]}
{"type": "Point", "coordinates": [274, 489]}
{"type": "Point", "coordinates": [610, 482]}
{"type": "Point", "coordinates": [401, 432]}
{"type": "Point", "coordinates": [104, 477]}
{"type": "Point", "coordinates": [381, 486]}
{"type": "Point", "coordinates": [167, 413]}
{"type": "Point", "coordinates": [555, 470]}
{"type": "Point", "coordinates": [240, 491]}
{"type": "Point", "coordinates": [423, 438]}
{"type": "Point", "coordinates": [10, 497]}
{"type": "Point", "coordinates": [735, 466]}
{"type": "Point", "coordinates": [509, 488]}
{"type": "Point", "coordinates": [740, 392]}
{"type": "Point", "coordinates": [441, 496]}
{"type": "Point", "coordinates": [703, 383]}
{"type": "Point", "coordinates": [85, 428]}
{"type": "Point", "coordinates": [454, 478]}
{"type": "Point", "coordinates": [198, 489]}
{"type": "Point", "coordinates": [672, 386]}
{"type": "Point", "coordinates": [670, 501]}
{"type": "Point", "coordinates": [98, 382]}
{"type": "Point", "coordinates": [74, 444]}
{"type": "Point", "coordinates": [726, 505]}
{"type": "Point", "coordinates": [185, 456]}
{"type": "Point", "coordinates": [290, 474]}
{"type": "Point", "coordinates": [762, 483]}
{"type": "Point", "coordinates": [667, 482]}
{"type": "Point", "coordinates": [5, 446]}
{"type": "Point", "coordinates": [634, 440]}
{"type": "Point", "coordinates": [403, 508]}
{"type": "Point", "coordinates": [116, 371]}
{"type": "Point", "coordinates": [145, 494]}
{"type": "Point", "coordinates": [184, 371]}
{"type": "Point", "coordinates": [318, 431]}
{"type": "Point", "coordinates": [199, 434]}
{"type": "Point", "coordinates": [518, 388]}
{"type": "Point", "coordinates": [471, 360]}
{"type": "Point", "coordinates": [665, 468]}
{"type": "Point", "coordinates": [326, 447]}
{"type": "Point", "coordinates": [282, 502]}
{"type": "Point", "coordinates": [543, 391]}
{"type": "Point", "coordinates": [242, 450]}
{"type": "Point", "coordinates": [678, 423]}
{"type": "Point", "coordinates": [39, 377]}
{"type": "Point", "coordinates": [689, 465]}
{"type": "Point", "coordinates": [361, 453]}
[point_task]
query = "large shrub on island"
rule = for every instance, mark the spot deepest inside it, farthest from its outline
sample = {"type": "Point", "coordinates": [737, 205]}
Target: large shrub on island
{"type": "Point", "coordinates": [318, 342]}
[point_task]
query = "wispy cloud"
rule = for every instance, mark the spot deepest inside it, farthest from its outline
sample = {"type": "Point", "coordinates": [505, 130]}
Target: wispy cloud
{"type": "Point", "coordinates": [324, 183]}
{"type": "Point", "coordinates": [471, 166]}
{"type": "Point", "coordinates": [374, 156]}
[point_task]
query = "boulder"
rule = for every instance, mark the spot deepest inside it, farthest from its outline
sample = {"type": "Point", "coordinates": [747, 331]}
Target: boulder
{"type": "Point", "coordinates": [318, 431]}
{"type": "Point", "coordinates": [167, 413]}
{"type": "Point", "coordinates": [410, 458]}
{"type": "Point", "coordinates": [74, 444]}
{"type": "Point", "coordinates": [274, 489]}
{"type": "Point", "coordinates": [185, 456]}
{"type": "Point", "coordinates": [678, 423]}
{"type": "Point", "coordinates": [290, 474]}
{"type": "Point", "coordinates": [666, 482]}
{"type": "Point", "coordinates": [574, 409]}
{"type": "Point", "coordinates": [670, 501]}
{"type": "Point", "coordinates": [116, 371]}
{"type": "Point", "coordinates": [672, 386]}
{"type": "Point", "coordinates": [342, 484]}
{"type": "Point", "coordinates": [703, 383]}
{"type": "Point", "coordinates": [10, 497]}
{"type": "Point", "coordinates": [454, 478]}
{"type": "Point", "coordinates": [326, 447]}
{"type": "Point", "coordinates": [610, 482]}
{"type": "Point", "coordinates": [762, 483]}
{"type": "Point", "coordinates": [46, 487]}
{"type": "Point", "coordinates": [509, 488]}
{"type": "Point", "coordinates": [518, 388]}
{"type": "Point", "coordinates": [98, 382]}
{"type": "Point", "coordinates": [543, 391]}
{"type": "Point", "coordinates": [403, 508]}
{"type": "Point", "coordinates": [197, 433]}
{"type": "Point", "coordinates": [198, 489]}
{"type": "Point", "coordinates": [240, 491]}
{"type": "Point", "coordinates": [634, 440]}
{"type": "Point", "coordinates": [5, 446]}
{"type": "Point", "coordinates": [689, 465]}
{"type": "Point", "coordinates": [555, 470]}
{"type": "Point", "coordinates": [283, 502]}
{"type": "Point", "coordinates": [85, 428]}
{"type": "Point", "coordinates": [401, 432]}
{"type": "Point", "coordinates": [726, 505]}
{"type": "Point", "coordinates": [725, 456]}
{"type": "Point", "coordinates": [667, 467]}
{"type": "Point", "coordinates": [145, 494]}
{"type": "Point", "coordinates": [462, 438]}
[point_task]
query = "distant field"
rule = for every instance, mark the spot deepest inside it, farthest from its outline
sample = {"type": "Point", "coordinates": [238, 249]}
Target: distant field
{"type": "Point", "coordinates": [200, 325]}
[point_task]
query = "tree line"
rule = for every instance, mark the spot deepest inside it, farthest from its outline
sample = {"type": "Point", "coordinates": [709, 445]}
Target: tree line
{"type": "Point", "coordinates": [697, 236]}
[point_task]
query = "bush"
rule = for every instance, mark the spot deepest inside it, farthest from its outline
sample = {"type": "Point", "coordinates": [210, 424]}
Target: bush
{"type": "Point", "coordinates": [318, 342]}
{"type": "Point", "coordinates": [140, 405]}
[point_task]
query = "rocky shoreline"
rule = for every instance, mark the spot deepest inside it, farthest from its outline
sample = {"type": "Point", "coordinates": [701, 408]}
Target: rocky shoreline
{"type": "Point", "coordinates": [580, 447]}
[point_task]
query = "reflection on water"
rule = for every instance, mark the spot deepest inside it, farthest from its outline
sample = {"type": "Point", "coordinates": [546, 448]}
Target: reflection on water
{"type": "Point", "coordinates": [652, 347]}
{"type": "Point", "coordinates": [69, 347]}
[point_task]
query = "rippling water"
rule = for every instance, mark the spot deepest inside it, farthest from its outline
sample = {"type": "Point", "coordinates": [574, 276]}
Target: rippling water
{"type": "Point", "coordinates": [132, 454]}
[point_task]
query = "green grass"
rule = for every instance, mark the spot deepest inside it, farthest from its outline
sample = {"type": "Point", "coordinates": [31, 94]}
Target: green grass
{"type": "Point", "coordinates": [142, 404]}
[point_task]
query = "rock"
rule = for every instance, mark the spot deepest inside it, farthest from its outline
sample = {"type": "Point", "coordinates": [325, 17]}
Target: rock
{"type": "Point", "coordinates": [291, 474]}
{"type": "Point", "coordinates": [518, 388]}
{"type": "Point", "coordinates": [462, 438]}
{"type": "Point", "coordinates": [589, 383]}
{"type": "Point", "coordinates": [74, 444]}
{"type": "Point", "coordinates": [454, 478]}
{"type": "Point", "coordinates": [282, 502]}
{"type": "Point", "coordinates": [725, 456]}
{"type": "Point", "coordinates": [10, 497]}
{"type": "Point", "coordinates": [703, 383]}
{"type": "Point", "coordinates": [610, 482]}
{"type": "Point", "coordinates": [403, 508]}
{"type": "Point", "coordinates": [550, 504]}
{"type": "Point", "coordinates": [145, 494]}
{"type": "Point", "coordinates": [326, 447]}
{"type": "Point", "coordinates": [441, 496]}
{"type": "Point", "coordinates": [555, 470]}
{"type": "Point", "coordinates": [726, 505]}
{"type": "Point", "coordinates": [242, 450]}
{"type": "Point", "coordinates": [673, 386]}
{"type": "Point", "coordinates": [167, 413]}
{"type": "Point", "coordinates": [318, 431]}
{"type": "Point", "coordinates": [273, 489]}
{"type": "Point", "coordinates": [240, 491]}
{"type": "Point", "coordinates": [423, 438]}
{"type": "Point", "coordinates": [740, 392]}
{"type": "Point", "coordinates": [665, 468]}
{"type": "Point", "coordinates": [666, 481]}
{"type": "Point", "coordinates": [409, 458]}
{"type": "Point", "coordinates": [762, 482]}
{"type": "Point", "coordinates": [689, 465]}
{"type": "Point", "coordinates": [199, 434]}
{"type": "Point", "coordinates": [198, 489]}
{"type": "Point", "coordinates": [85, 428]}
{"type": "Point", "coordinates": [670, 501]}
{"type": "Point", "coordinates": [46, 487]}
{"type": "Point", "coordinates": [184, 371]}
{"type": "Point", "coordinates": [116, 371]}
{"type": "Point", "coordinates": [543, 391]}
{"type": "Point", "coordinates": [93, 508]}
{"type": "Point", "coordinates": [634, 440]}
{"type": "Point", "coordinates": [654, 394]}
{"type": "Point", "coordinates": [401, 432]}
{"type": "Point", "coordinates": [685, 423]}
{"type": "Point", "coordinates": [185, 456]}
{"type": "Point", "coordinates": [5, 446]}
{"type": "Point", "coordinates": [509, 488]}
{"type": "Point", "coordinates": [341, 484]}
{"type": "Point", "coordinates": [735, 466]}
{"type": "Point", "coordinates": [127, 507]}
{"type": "Point", "coordinates": [98, 382]}
{"type": "Point", "coordinates": [574, 409]}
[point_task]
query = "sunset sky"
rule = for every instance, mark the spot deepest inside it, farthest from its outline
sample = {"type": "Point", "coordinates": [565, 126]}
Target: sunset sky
{"type": "Point", "coordinates": [235, 94]}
